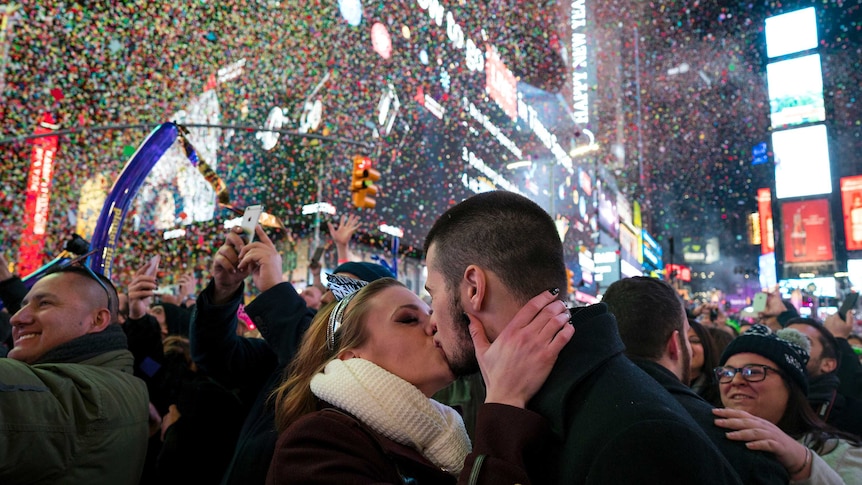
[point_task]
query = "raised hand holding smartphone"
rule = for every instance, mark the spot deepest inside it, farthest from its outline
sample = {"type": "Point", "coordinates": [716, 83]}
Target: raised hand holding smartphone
{"type": "Point", "coordinates": [250, 219]}
{"type": "Point", "coordinates": [153, 266]}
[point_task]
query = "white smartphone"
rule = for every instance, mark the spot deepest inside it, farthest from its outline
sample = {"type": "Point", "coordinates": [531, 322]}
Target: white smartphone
{"type": "Point", "coordinates": [250, 219]}
{"type": "Point", "coordinates": [153, 266]}
{"type": "Point", "coordinates": [759, 303]}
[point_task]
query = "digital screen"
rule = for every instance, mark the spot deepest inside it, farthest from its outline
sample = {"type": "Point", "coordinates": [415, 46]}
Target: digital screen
{"type": "Point", "coordinates": [624, 208]}
{"type": "Point", "coordinates": [609, 218]}
{"type": "Point", "coordinates": [807, 231]}
{"type": "Point", "coordinates": [630, 246]}
{"type": "Point", "coordinates": [851, 205]}
{"type": "Point", "coordinates": [801, 162]}
{"type": "Point", "coordinates": [816, 286]}
{"type": "Point", "coordinates": [677, 272]}
{"type": "Point", "coordinates": [791, 32]}
{"type": "Point", "coordinates": [652, 253]}
{"type": "Point", "coordinates": [760, 154]}
{"type": "Point", "coordinates": [768, 272]}
{"type": "Point", "coordinates": [698, 249]}
{"type": "Point", "coordinates": [854, 270]}
{"type": "Point", "coordinates": [607, 265]}
{"type": "Point", "coordinates": [764, 210]}
{"type": "Point", "coordinates": [796, 91]}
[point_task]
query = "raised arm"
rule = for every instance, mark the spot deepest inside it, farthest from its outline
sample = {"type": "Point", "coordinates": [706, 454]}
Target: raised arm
{"type": "Point", "coordinates": [232, 360]}
{"type": "Point", "coordinates": [342, 234]}
{"type": "Point", "coordinates": [279, 312]}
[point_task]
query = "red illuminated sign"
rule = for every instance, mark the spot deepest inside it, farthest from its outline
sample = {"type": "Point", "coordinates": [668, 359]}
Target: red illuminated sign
{"type": "Point", "coordinates": [806, 231]}
{"type": "Point", "coordinates": [501, 84]}
{"type": "Point", "coordinates": [764, 208]}
{"type": "Point", "coordinates": [677, 272]}
{"type": "Point", "coordinates": [37, 207]}
{"type": "Point", "coordinates": [851, 204]}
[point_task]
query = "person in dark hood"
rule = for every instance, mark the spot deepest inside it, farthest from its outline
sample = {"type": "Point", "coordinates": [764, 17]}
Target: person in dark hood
{"type": "Point", "coordinates": [826, 399]}
{"type": "Point", "coordinates": [173, 319]}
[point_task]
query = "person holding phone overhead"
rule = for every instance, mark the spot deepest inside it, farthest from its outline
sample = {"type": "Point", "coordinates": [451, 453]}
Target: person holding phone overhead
{"type": "Point", "coordinates": [849, 367]}
{"type": "Point", "coordinates": [253, 366]}
{"type": "Point", "coordinates": [777, 311]}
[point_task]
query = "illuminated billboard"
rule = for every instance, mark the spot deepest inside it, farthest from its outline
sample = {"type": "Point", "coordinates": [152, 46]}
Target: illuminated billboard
{"type": "Point", "coordinates": [37, 206]}
{"type": "Point", "coordinates": [801, 162]}
{"type": "Point", "coordinates": [854, 270]}
{"type": "Point", "coordinates": [764, 210]}
{"type": "Point", "coordinates": [607, 265]}
{"type": "Point", "coordinates": [796, 91]}
{"type": "Point", "coordinates": [851, 205]}
{"type": "Point", "coordinates": [791, 32]}
{"type": "Point", "coordinates": [824, 286]}
{"type": "Point", "coordinates": [609, 218]}
{"type": "Point", "coordinates": [768, 273]}
{"type": "Point", "coordinates": [807, 231]}
{"type": "Point", "coordinates": [630, 246]}
{"type": "Point", "coordinates": [652, 253]}
{"type": "Point", "coordinates": [677, 272]}
{"type": "Point", "coordinates": [624, 209]}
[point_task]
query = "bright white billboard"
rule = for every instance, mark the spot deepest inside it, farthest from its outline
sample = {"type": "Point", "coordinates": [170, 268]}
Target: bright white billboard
{"type": "Point", "coordinates": [801, 162]}
{"type": "Point", "coordinates": [796, 91]}
{"type": "Point", "coordinates": [791, 32]}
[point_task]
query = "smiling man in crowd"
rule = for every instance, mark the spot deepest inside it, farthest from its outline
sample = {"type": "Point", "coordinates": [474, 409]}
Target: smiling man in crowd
{"type": "Point", "coordinates": [70, 409]}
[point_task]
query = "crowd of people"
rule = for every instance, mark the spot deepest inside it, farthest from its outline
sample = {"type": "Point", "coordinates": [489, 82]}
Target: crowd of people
{"type": "Point", "coordinates": [122, 387]}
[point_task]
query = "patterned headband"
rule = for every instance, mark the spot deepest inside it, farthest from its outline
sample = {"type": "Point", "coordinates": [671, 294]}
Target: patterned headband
{"type": "Point", "coordinates": [343, 289]}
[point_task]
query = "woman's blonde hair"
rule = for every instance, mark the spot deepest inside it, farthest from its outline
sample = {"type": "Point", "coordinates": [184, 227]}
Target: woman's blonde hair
{"type": "Point", "coordinates": [293, 398]}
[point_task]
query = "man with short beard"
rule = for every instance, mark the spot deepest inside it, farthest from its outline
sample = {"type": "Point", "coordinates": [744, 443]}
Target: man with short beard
{"type": "Point", "coordinates": [610, 422]}
{"type": "Point", "coordinates": [824, 387]}
{"type": "Point", "coordinates": [654, 329]}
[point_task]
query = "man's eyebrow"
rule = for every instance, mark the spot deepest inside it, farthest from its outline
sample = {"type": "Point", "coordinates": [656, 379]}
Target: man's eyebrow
{"type": "Point", "coordinates": [35, 296]}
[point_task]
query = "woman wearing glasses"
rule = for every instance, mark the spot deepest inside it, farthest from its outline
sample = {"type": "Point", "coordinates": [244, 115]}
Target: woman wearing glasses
{"type": "Point", "coordinates": [763, 386]}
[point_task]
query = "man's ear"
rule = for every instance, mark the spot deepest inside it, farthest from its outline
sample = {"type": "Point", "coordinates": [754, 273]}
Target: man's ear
{"type": "Point", "coordinates": [828, 364]}
{"type": "Point", "coordinates": [473, 289]}
{"type": "Point", "coordinates": [101, 320]}
{"type": "Point", "coordinates": [672, 347]}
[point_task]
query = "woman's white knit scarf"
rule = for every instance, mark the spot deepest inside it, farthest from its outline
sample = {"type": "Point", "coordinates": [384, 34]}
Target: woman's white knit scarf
{"type": "Point", "coordinates": [396, 409]}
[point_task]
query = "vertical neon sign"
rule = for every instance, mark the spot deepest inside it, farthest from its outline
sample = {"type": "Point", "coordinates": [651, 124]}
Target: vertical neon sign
{"type": "Point", "coordinates": [37, 207]}
{"type": "Point", "coordinates": [580, 73]}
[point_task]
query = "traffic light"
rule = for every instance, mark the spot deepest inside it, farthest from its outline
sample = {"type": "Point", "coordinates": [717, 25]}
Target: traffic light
{"type": "Point", "coordinates": [570, 282]}
{"type": "Point", "coordinates": [362, 185]}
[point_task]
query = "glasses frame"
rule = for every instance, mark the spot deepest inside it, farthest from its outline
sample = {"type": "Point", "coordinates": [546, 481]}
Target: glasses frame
{"type": "Point", "coordinates": [741, 371]}
{"type": "Point", "coordinates": [80, 262]}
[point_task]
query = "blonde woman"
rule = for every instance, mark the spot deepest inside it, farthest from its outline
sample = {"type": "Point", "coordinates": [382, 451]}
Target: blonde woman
{"type": "Point", "coordinates": [356, 405]}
